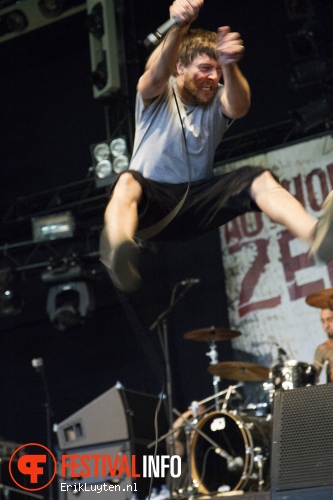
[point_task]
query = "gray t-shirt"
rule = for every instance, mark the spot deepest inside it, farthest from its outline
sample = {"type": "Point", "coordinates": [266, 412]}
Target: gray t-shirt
{"type": "Point", "coordinates": [159, 148]}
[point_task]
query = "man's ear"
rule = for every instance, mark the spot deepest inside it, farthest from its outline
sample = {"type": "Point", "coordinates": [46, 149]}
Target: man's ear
{"type": "Point", "coordinates": [180, 67]}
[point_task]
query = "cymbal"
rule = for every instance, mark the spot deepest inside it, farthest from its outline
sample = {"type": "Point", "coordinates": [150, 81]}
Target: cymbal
{"type": "Point", "coordinates": [322, 299]}
{"type": "Point", "coordinates": [242, 371]}
{"type": "Point", "coordinates": [212, 333]}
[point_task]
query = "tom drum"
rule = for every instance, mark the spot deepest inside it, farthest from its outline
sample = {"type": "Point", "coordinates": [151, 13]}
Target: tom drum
{"type": "Point", "coordinates": [291, 374]}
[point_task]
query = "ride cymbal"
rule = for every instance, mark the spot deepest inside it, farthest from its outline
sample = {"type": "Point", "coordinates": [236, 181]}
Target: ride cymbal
{"type": "Point", "coordinates": [209, 334]}
{"type": "Point", "coordinates": [322, 299]}
{"type": "Point", "coordinates": [242, 371]}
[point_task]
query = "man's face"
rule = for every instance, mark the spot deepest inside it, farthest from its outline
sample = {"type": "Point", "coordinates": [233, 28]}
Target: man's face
{"type": "Point", "coordinates": [198, 82]}
{"type": "Point", "coordinates": [326, 317]}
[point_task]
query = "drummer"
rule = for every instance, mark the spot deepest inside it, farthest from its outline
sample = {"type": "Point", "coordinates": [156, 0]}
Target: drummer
{"type": "Point", "coordinates": [323, 357]}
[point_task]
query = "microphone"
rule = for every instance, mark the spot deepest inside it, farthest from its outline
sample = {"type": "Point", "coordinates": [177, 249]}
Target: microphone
{"type": "Point", "coordinates": [235, 463]}
{"type": "Point", "coordinates": [38, 364]}
{"type": "Point", "coordinates": [280, 350]}
{"type": "Point", "coordinates": [190, 281]}
{"type": "Point", "coordinates": [154, 38]}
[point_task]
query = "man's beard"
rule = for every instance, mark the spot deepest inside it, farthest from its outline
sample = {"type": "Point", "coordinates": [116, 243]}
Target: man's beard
{"type": "Point", "coordinates": [193, 92]}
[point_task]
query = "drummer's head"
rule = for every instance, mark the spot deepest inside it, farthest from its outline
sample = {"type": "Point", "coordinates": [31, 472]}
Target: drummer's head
{"type": "Point", "coordinates": [326, 318]}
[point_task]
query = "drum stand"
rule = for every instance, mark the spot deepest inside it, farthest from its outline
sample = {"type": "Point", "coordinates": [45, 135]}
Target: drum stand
{"type": "Point", "coordinates": [213, 355]}
{"type": "Point", "coordinates": [260, 459]}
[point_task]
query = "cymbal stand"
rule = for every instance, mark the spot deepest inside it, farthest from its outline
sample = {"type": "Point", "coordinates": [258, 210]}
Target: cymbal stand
{"type": "Point", "coordinates": [259, 459]}
{"type": "Point", "coordinates": [213, 355]}
{"type": "Point", "coordinates": [227, 397]}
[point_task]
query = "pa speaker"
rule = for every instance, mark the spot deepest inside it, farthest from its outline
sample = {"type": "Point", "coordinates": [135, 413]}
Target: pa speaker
{"type": "Point", "coordinates": [117, 415]}
{"type": "Point", "coordinates": [302, 444]}
{"type": "Point", "coordinates": [104, 50]}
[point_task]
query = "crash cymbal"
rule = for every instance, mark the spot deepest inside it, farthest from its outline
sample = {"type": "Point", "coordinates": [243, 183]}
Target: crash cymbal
{"type": "Point", "coordinates": [322, 299]}
{"type": "Point", "coordinates": [212, 333]}
{"type": "Point", "coordinates": [242, 371]}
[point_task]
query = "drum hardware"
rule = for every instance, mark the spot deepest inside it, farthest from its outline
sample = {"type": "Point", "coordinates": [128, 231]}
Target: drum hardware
{"type": "Point", "coordinates": [211, 335]}
{"type": "Point", "coordinates": [231, 390]}
{"type": "Point", "coordinates": [213, 355]}
{"type": "Point", "coordinates": [247, 439]}
{"type": "Point", "coordinates": [291, 374]}
{"type": "Point", "coordinates": [233, 462]}
{"type": "Point", "coordinates": [259, 458]}
{"type": "Point", "coordinates": [240, 370]}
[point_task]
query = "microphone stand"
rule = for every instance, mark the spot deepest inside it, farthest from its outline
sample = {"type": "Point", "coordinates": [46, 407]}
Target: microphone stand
{"type": "Point", "coordinates": [38, 364]}
{"type": "Point", "coordinates": [161, 324]}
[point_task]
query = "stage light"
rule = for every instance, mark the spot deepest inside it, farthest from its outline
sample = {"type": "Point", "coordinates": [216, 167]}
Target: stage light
{"type": "Point", "coordinates": [306, 44]}
{"type": "Point", "coordinates": [310, 73]}
{"type": "Point", "coordinates": [101, 151]}
{"type": "Point", "coordinates": [10, 301]}
{"type": "Point", "coordinates": [314, 114]}
{"type": "Point", "coordinates": [120, 164]}
{"type": "Point", "coordinates": [54, 8]}
{"type": "Point", "coordinates": [109, 159]}
{"type": "Point", "coordinates": [297, 9]}
{"type": "Point", "coordinates": [69, 304]}
{"type": "Point", "coordinates": [51, 8]}
{"type": "Point", "coordinates": [53, 227]}
{"type": "Point", "coordinates": [118, 146]}
{"type": "Point", "coordinates": [13, 22]}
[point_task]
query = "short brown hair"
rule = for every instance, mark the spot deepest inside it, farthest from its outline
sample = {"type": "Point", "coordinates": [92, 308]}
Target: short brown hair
{"type": "Point", "coordinates": [195, 42]}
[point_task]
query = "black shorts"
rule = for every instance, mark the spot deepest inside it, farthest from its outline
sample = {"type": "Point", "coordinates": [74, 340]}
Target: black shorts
{"type": "Point", "coordinates": [209, 203]}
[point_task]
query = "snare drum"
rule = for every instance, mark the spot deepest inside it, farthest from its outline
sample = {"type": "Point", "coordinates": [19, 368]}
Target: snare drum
{"type": "Point", "coordinates": [291, 374]}
{"type": "Point", "coordinates": [246, 439]}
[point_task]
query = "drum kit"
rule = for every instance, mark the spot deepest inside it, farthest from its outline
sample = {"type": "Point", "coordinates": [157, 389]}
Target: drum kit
{"type": "Point", "coordinates": [229, 449]}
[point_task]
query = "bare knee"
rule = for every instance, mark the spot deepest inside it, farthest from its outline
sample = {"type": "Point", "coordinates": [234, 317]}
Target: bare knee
{"type": "Point", "coordinates": [263, 183]}
{"type": "Point", "coordinates": [127, 190]}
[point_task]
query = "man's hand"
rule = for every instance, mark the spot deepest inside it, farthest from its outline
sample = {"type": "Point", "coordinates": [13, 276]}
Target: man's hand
{"type": "Point", "coordinates": [230, 48]}
{"type": "Point", "coordinates": [186, 11]}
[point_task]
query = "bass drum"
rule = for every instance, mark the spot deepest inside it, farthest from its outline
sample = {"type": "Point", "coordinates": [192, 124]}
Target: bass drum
{"type": "Point", "coordinates": [247, 438]}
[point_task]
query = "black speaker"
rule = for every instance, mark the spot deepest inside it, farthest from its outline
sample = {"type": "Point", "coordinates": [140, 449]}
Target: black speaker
{"type": "Point", "coordinates": [302, 444]}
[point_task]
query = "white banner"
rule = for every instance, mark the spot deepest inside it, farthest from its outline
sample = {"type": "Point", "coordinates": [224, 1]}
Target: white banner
{"type": "Point", "coordinates": [267, 270]}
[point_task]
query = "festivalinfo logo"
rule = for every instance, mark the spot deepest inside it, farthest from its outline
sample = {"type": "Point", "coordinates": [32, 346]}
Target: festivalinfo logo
{"type": "Point", "coordinates": [33, 467]}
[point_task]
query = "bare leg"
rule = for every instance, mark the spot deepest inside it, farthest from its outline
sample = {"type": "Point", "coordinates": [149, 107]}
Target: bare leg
{"type": "Point", "coordinates": [118, 251]}
{"type": "Point", "coordinates": [282, 207]}
{"type": "Point", "coordinates": [121, 215]}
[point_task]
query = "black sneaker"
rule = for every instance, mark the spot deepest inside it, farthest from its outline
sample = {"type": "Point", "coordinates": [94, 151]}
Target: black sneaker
{"type": "Point", "coordinates": [322, 244]}
{"type": "Point", "coordinates": [121, 263]}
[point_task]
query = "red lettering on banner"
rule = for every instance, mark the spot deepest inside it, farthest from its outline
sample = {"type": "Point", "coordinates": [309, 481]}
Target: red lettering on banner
{"type": "Point", "coordinates": [293, 264]}
{"type": "Point", "coordinates": [330, 271]}
{"type": "Point", "coordinates": [320, 174]}
{"type": "Point", "coordinates": [232, 231]}
{"type": "Point", "coordinates": [330, 173]}
{"type": "Point", "coordinates": [251, 280]}
{"type": "Point", "coordinates": [258, 227]}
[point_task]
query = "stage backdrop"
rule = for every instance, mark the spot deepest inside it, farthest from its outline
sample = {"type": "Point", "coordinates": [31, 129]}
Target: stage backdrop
{"type": "Point", "coordinates": [267, 270]}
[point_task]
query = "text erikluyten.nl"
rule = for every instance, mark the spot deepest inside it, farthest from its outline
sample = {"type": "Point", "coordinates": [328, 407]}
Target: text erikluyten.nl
{"type": "Point", "coordinates": [97, 488]}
